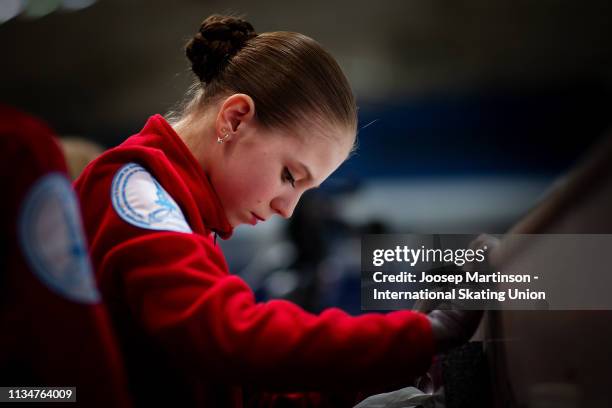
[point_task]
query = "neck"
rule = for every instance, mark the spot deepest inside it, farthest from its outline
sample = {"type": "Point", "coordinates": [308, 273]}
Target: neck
{"type": "Point", "coordinates": [197, 133]}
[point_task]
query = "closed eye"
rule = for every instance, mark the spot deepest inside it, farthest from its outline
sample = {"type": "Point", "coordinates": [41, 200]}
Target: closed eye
{"type": "Point", "coordinates": [288, 177]}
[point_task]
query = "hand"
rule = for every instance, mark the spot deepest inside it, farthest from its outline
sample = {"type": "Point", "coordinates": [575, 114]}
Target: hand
{"type": "Point", "coordinates": [452, 327]}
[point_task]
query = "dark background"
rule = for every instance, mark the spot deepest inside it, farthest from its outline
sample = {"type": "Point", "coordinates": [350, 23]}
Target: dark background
{"type": "Point", "coordinates": [464, 86]}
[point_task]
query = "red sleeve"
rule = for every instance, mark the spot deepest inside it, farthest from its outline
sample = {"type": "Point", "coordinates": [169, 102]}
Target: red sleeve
{"type": "Point", "coordinates": [176, 284]}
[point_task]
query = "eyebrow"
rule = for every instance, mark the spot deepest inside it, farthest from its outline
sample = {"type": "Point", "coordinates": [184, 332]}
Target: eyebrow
{"type": "Point", "coordinates": [306, 170]}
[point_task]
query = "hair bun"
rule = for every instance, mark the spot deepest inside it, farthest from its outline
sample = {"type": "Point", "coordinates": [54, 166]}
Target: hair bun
{"type": "Point", "coordinates": [219, 39]}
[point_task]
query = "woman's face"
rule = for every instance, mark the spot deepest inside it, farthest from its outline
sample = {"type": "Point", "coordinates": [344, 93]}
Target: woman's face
{"type": "Point", "coordinates": [263, 172]}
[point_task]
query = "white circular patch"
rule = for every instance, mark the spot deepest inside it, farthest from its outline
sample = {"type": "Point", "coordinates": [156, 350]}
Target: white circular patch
{"type": "Point", "coordinates": [141, 201]}
{"type": "Point", "coordinates": [52, 239]}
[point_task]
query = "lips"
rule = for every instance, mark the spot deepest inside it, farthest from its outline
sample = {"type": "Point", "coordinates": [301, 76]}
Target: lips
{"type": "Point", "coordinates": [256, 218]}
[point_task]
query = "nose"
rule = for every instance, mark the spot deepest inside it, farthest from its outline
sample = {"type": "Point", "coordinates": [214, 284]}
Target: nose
{"type": "Point", "coordinates": [285, 205]}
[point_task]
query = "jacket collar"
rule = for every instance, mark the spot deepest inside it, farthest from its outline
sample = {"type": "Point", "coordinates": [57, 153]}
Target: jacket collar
{"type": "Point", "coordinates": [186, 164]}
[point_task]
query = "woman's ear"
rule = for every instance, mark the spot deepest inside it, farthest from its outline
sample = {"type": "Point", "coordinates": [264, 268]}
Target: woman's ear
{"type": "Point", "coordinates": [236, 111]}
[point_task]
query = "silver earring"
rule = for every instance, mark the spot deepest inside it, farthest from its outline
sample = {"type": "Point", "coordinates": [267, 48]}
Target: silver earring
{"type": "Point", "coordinates": [222, 139]}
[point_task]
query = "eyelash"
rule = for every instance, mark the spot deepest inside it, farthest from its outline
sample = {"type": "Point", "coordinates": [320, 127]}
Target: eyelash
{"type": "Point", "coordinates": [287, 176]}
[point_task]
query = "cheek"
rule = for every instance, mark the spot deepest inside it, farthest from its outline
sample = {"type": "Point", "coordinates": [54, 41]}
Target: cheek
{"type": "Point", "coordinates": [245, 186]}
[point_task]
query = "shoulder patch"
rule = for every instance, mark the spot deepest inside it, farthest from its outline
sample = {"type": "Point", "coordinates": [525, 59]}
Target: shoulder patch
{"type": "Point", "coordinates": [141, 201]}
{"type": "Point", "coordinates": [52, 239]}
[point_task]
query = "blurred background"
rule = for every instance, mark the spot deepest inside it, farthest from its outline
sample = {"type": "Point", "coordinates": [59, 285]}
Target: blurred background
{"type": "Point", "coordinates": [469, 110]}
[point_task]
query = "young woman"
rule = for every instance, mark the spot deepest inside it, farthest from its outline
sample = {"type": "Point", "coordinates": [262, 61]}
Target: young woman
{"type": "Point", "coordinates": [272, 116]}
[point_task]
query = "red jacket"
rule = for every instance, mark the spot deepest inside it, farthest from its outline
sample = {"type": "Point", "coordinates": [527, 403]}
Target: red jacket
{"type": "Point", "coordinates": [54, 330]}
{"type": "Point", "coordinates": [191, 331]}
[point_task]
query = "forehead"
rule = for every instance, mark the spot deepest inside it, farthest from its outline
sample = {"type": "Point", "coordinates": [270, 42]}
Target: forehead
{"type": "Point", "coordinates": [321, 135]}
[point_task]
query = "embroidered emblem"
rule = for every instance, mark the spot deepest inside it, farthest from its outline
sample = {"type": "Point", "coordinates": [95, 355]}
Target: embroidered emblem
{"type": "Point", "coordinates": [141, 201]}
{"type": "Point", "coordinates": [52, 240]}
